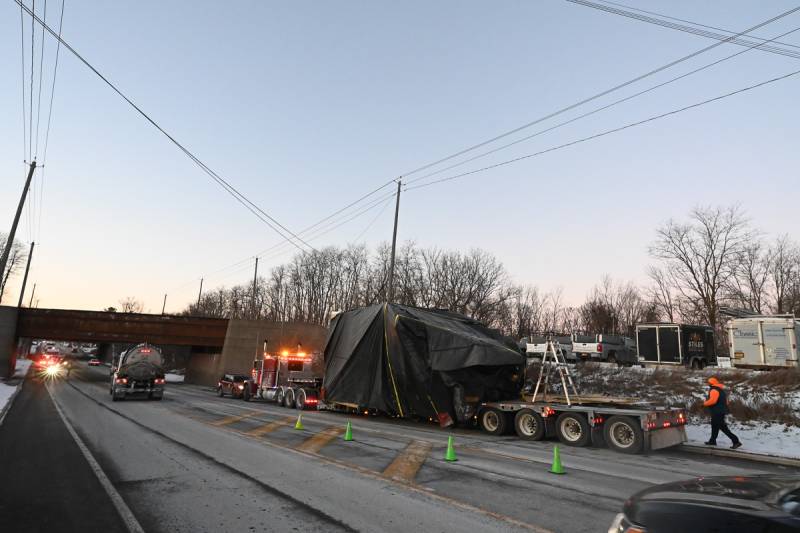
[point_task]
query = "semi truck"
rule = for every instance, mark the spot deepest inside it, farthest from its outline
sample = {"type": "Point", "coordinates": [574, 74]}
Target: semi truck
{"type": "Point", "coordinates": [285, 378]}
{"type": "Point", "coordinates": [764, 342]}
{"type": "Point", "coordinates": [138, 372]}
{"type": "Point", "coordinates": [676, 345]}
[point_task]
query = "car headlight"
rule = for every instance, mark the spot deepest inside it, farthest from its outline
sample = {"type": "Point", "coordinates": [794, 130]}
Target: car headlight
{"type": "Point", "coordinates": [241, 387]}
{"type": "Point", "coordinates": [621, 524]}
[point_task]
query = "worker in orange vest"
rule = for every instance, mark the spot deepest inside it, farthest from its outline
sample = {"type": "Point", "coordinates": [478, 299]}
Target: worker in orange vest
{"type": "Point", "coordinates": [717, 404]}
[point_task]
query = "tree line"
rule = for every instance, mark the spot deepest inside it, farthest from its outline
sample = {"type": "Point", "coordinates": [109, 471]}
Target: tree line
{"type": "Point", "coordinates": [712, 259]}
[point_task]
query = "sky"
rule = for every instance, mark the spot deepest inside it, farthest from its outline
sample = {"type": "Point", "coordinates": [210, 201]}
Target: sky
{"type": "Point", "coordinates": [306, 106]}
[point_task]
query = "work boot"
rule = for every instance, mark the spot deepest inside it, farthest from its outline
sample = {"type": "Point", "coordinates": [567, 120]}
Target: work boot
{"type": "Point", "coordinates": [710, 443]}
{"type": "Point", "coordinates": [736, 445]}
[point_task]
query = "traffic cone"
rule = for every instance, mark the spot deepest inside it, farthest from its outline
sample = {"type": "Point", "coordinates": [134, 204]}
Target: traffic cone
{"type": "Point", "coordinates": [348, 432]}
{"type": "Point", "coordinates": [450, 454]}
{"type": "Point", "coordinates": [557, 468]}
{"type": "Point", "coordinates": [299, 423]}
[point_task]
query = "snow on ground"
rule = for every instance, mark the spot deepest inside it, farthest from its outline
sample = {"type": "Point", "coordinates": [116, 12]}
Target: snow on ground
{"type": "Point", "coordinates": [765, 406]}
{"type": "Point", "coordinates": [7, 391]}
{"type": "Point", "coordinates": [173, 378]}
{"type": "Point", "coordinates": [766, 439]}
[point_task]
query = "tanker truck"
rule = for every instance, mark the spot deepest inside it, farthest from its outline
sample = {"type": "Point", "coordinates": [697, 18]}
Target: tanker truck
{"type": "Point", "coordinates": [138, 372]}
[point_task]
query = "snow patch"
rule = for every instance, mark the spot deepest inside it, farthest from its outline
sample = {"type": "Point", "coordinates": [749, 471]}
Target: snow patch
{"type": "Point", "coordinates": [767, 439]}
{"type": "Point", "coordinates": [6, 390]}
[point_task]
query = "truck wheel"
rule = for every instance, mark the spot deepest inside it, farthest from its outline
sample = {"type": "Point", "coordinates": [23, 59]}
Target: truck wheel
{"type": "Point", "coordinates": [280, 398]}
{"type": "Point", "coordinates": [300, 401]}
{"type": "Point", "coordinates": [612, 359]}
{"type": "Point", "coordinates": [624, 434]}
{"type": "Point", "coordinates": [289, 398]}
{"type": "Point", "coordinates": [529, 424]}
{"type": "Point", "coordinates": [573, 429]}
{"type": "Point", "coordinates": [246, 392]}
{"type": "Point", "coordinates": [696, 365]}
{"type": "Point", "coordinates": [493, 421]}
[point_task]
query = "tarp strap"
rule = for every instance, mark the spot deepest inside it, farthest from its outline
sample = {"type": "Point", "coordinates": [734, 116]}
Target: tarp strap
{"type": "Point", "coordinates": [435, 410]}
{"type": "Point", "coordinates": [389, 362]}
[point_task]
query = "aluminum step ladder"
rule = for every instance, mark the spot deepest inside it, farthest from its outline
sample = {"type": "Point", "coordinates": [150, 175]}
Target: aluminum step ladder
{"type": "Point", "coordinates": [554, 361]}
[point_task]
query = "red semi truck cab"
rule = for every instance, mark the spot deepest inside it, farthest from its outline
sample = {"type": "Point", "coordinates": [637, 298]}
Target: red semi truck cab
{"type": "Point", "coordinates": [284, 377]}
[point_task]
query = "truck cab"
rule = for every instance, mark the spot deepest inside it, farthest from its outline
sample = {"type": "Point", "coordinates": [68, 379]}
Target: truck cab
{"type": "Point", "coordinates": [285, 378]}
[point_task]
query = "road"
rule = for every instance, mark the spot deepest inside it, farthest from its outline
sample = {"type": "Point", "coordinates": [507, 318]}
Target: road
{"type": "Point", "coordinates": [197, 462]}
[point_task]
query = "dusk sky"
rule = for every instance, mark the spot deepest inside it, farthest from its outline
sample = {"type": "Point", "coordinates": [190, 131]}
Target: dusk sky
{"type": "Point", "coordinates": [306, 106]}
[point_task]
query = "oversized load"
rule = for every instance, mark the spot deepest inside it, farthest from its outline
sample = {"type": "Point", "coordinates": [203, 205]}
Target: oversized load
{"type": "Point", "coordinates": [411, 362]}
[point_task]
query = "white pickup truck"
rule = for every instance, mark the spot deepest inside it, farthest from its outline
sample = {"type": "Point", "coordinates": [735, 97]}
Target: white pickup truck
{"type": "Point", "coordinates": [535, 347]}
{"type": "Point", "coordinates": [605, 348]}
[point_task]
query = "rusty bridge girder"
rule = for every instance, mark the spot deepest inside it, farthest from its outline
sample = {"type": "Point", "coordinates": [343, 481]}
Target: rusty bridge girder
{"type": "Point", "coordinates": [101, 326]}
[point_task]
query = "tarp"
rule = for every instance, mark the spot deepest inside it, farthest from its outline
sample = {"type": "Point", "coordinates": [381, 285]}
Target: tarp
{"type": "Point", "coordinates": [412, 362]}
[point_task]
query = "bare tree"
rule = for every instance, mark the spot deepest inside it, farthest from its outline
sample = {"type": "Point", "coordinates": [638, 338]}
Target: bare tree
{"type": "Point", "coordinates": [16, 259]}
{"type": "Point", "coordinates": [702, 255]}
{"type": "Point", "coordinates": [130, 305]}
{"type": "Point", "coordinates": [784, 275]}
{"type": "Point", "coordinates": [748, 285]}
{"type": "Point", "coordinates": [662, 292]}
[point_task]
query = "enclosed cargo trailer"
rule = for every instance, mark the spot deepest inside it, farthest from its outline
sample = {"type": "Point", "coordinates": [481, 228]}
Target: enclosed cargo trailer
{"type": "Point", "coordinates": [676, 344]}
{"type": "Point", "coordinates": [764, 342]}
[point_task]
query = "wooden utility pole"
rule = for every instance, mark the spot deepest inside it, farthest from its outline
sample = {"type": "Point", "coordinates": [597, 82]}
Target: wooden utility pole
{"type": "Point", "coordinates": [390, 291]}
{"type": "Point", "coordinates": [199, 294]}
{"type": "Point", "coordinates": [255, 282]}
{"type": "Point", "coordinates": [13, 232]}
{"type": "Point", "coordinates": [30, 303]}
{"type": "Point", "coordinates": [25, 278]}
{"type": "Point", "coordinates": [163, 307]}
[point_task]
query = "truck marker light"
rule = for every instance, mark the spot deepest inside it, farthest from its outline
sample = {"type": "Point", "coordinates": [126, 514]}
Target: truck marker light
{"type": "Point", "coordinates": [600, 348]}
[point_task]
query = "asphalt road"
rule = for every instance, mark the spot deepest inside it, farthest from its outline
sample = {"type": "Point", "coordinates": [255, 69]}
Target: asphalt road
{"type": "Point", "coordinates": [196, 462]}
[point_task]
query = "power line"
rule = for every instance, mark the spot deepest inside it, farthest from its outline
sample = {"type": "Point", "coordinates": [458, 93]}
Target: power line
{"type": "Point", "coordinates": [597, 110]}
{"type": "Point", "coordinates": [262, 215]}
{"type": "Point", "coordinates": [607, 132]}
{"type": "Point", "coordinates": [49, 119]}
{"type": "Point", "coordinates": [693, 23]}
{"type": "Point", "coordinates": [735, 39]}
{"type": "Point", "coordinates": [24, 107]}
{"type": "Point", "coordinates": [30, 120]}
{"type": "Point", "coordinates": [596, 96]}
{"type": "Point", "coordinates": [41, 72]}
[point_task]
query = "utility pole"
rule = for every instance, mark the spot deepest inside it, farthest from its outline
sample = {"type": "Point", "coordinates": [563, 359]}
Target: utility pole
{"type": "Point", "coordinates": [199, 294]}
{"type": "Point", "coordinates": [13, 232]}
{"type": "Point", "coordinates": [163, 307]}
{"type": "Point", "coordinates": [390, 292]}
{"type": "Point", "coordinates": [25, 278]}
{"type": "Point", "coordinates": [255, 282]}
{"type": "Point", "coordinates": [30, 303]}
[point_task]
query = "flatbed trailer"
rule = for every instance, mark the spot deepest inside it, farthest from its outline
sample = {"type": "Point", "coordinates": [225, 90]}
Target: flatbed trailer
{"type": "Point", "coordinates": [623, 428]}
{"type": "Point", "coordinates": [625, 425]}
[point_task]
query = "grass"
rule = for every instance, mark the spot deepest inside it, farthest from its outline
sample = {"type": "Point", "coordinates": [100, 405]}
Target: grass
{"type": "Point", "coordinates": [769, 397]}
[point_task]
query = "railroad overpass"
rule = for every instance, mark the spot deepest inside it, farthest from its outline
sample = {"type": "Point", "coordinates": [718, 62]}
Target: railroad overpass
{"type": "Point", "coordinates": [215, 344]}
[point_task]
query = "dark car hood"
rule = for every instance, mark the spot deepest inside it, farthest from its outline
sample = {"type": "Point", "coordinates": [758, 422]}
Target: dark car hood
{"type": "Point", "coordinates": [755, 493]}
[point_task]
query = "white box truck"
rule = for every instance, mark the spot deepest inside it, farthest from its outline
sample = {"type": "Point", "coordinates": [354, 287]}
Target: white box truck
{"type": "Point", "coordinates": [764, 342]}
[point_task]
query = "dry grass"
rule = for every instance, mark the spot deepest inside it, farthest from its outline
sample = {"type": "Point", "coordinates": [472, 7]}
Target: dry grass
{"type": "Point", "coordinates": [770, 397]}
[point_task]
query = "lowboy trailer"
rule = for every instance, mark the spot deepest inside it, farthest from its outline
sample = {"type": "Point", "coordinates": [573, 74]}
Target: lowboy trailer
{"type": "Point", "coordinates": [623, 428]}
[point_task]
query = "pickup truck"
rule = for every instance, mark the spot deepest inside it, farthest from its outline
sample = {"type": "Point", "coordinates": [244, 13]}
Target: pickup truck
{"type": "Point", "coordinates": [535, 347]}
{"type": "Point", "coordinates": [605, 348]}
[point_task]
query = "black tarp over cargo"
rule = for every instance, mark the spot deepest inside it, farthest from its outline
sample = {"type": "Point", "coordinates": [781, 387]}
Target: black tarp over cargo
{"type": "Point", "coordinates": [413, 362]}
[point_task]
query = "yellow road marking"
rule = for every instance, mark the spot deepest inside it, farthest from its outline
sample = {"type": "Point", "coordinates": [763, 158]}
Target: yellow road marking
{"type": "Point", "coordinates": [406, 465]}
{"type": "Point", "coordinates": [272, 426]}
{"type": "Point", "coordinates": [318, 441]}
{"type": "Point", "coordinates": [233, 418]}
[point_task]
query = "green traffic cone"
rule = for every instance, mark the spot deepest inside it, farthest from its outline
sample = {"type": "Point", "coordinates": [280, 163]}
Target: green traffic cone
{"type": "Point", "coordinates": [450, 455]}
{"type": "Point", "coordinates": [557, 468]}
{"type": "Point", "coordinates": [299, 423]}
{"type": "Point", "coordinates": [348, 432]}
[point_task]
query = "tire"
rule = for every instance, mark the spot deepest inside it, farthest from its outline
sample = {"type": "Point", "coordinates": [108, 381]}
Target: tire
{"type": "Point", "coordinates": [246, 393]}
{"type": "Point", "coordinates": [623, 434]}
{"type": "Point", "coordinates": [529, 424]}
{"type": "Point", "coordinates": [573, 429]}
{"type": "Point", "coordinates": [300, 401]}
{"type": "Point", "coordinates": [696, 364]}
{"type": "Point", "coordinates": [493, 421]}
{"type": "Point", "coordinates": [220, 392]}
{"type": "Point", "coordinates": [290, 398]}
{"type": "Point", "coordinates": [612, 358]}
{"type": "Point", "coordinates": [280, 398]}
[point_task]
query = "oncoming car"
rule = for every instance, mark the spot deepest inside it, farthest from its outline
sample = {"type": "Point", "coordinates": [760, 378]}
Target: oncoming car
{"type": "Point", "coordinates": [233, 384]}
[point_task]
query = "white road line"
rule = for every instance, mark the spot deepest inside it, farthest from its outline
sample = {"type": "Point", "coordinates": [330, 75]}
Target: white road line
{"type": "Point", "coordinates": [122, 508]}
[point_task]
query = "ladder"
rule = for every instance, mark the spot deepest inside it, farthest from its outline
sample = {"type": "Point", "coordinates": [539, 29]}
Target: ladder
{"type": "Point", "coordinates": [554, 361]}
